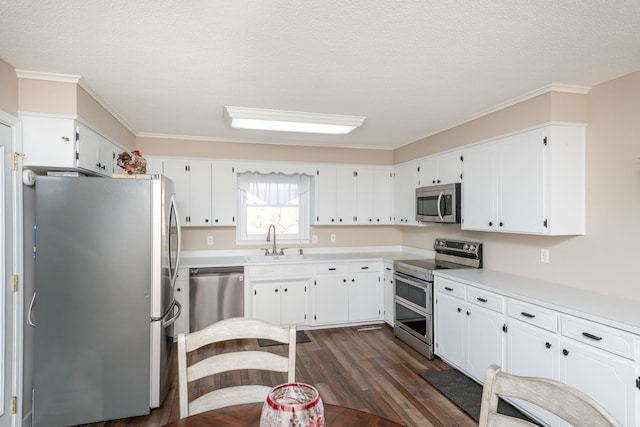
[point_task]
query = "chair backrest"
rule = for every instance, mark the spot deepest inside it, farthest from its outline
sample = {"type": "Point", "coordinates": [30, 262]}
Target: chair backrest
{"type": "Point", "coordinates": [225, 330]}
{"type": "Point", "coordinates": [566, 402]}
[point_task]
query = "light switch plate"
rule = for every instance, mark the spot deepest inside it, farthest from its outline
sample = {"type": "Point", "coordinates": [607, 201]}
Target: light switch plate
{"type": "Point", "coordinates": [333, 238]}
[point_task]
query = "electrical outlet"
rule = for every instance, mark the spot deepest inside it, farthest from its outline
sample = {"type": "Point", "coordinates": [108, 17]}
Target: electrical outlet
{"type": "Point", "coordinates": [314, 239]}
{"type": "Point", "coordinates": [333, 238]}
{"type": "Point", "coordinates": [544, 255]}
{"type": "Point", "coordinates": [209, 240]}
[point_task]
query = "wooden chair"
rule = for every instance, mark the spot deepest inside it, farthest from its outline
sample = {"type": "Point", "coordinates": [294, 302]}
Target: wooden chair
{"type": "Point", "coordinates": [566, 402]}
{"type": "Point", "coordinates": [224, 330]}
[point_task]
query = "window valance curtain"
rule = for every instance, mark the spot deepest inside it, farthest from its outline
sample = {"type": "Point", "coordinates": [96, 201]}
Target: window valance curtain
{"type": "Point", "coordinates": [274, 188]}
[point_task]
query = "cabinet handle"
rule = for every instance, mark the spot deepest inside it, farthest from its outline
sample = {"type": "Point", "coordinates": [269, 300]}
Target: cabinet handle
{"type": "Point", "coordinates": [332, 269]}
{"type": "Point", "coordinates": [481, 299]}
{"type": "Point", "coordinates": [501, 224]}
{"type": "Point", "coordinates": [565, 352]}
{"type": "Point", "coordinates": [529, 315]}
{"type": "Point", "coordinates": [286, 289]}
{"type": "Point", "coordinates": [344, 280]}
{"type": "Point", "coordinates": [276, 289]}
{"type": "Point", "coordinates": [364, 268]}
{"type": "Point", "coordinates": [468, 313]}
{"type": "Point", "coordinates": [490, 224]}
{"type": "Point", "coordinates": [353, 280]}
{"type": "Point", "coordinates": [547, 344]}
{"type": "Point", "coordinates": [206, 220]}
{"type": "Point", "coordinates": [459, 309]}
{"type": "Point", "coordinates": [448, 289]}
{"type": "Point", "coordinates": [593, 337]}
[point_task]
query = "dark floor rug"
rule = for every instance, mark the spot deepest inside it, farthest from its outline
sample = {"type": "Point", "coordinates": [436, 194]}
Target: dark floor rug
{"type": "Point", "coordinates": [466, 393]}
{"type": "Point", "coordinates": [300, 338]}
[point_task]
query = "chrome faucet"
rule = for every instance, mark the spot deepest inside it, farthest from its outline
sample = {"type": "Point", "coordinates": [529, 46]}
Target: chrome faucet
{"type": "Point", "coordinates": [273, 251]}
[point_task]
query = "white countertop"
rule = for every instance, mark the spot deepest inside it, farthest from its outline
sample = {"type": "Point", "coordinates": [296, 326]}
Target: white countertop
{"type": "Point", "coordinates": [613, 311]}
{"type": "Point", "coordinates": [343, 254]}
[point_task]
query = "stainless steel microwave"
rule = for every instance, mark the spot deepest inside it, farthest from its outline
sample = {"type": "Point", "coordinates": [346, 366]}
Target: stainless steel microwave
{"type": "Point", "coordinates": [438, 203]}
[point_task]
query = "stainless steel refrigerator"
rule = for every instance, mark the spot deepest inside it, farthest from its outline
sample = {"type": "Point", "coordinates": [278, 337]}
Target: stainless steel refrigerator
{"type": "Point", "coordinates": [107, 253]}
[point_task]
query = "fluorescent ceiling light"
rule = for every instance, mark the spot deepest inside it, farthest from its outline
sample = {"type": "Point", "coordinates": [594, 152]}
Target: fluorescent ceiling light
{"type": "Point", "coordinates": [290, 121]}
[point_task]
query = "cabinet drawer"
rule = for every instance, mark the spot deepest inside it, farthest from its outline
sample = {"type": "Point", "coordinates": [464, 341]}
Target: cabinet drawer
{"type": "Point", "coordinates": [297, 270]}
{"type": "Point", "coordinates": [364, 267]}
{"type": "Point", "coordinates": [450, 287]}
{"type": "Point", "coordinates": [533, 314]}
{"type": "Point", "coordinates": [332, 268]}
{"type": "Point", "coordinates": [601, 336]}
{"type": "Point", "coordinates": [485, 299]}
{"type": "Point", "coordinates": [263, 271]}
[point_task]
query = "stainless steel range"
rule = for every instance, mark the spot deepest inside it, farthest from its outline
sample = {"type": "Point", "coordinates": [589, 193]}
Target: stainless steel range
{"type": "Point", "coordinates": [413, 290]}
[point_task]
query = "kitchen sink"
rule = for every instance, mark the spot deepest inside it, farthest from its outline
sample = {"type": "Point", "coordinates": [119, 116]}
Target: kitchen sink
{"type": "Point", "coordinates": [268, 258]}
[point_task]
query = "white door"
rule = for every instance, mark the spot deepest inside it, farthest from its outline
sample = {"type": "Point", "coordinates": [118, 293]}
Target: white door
{"type": "Point", "coordinates": [8, 306]}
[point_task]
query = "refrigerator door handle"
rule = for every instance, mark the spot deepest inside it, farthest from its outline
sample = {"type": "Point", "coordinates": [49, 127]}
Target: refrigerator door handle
{"type": "Point", "coordinates": [168, 322]}
{"type": "Point", "coordinates": [174, 274]}
{"type": "Point", "coordinates": [33, 300]}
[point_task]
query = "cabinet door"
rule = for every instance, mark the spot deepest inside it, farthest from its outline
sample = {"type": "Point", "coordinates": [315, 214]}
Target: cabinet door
{"type": "Point", "coordinates": [88, 149]}
{"type": "Point", "coordinates": [176, 170]}
{"type": "Point", "coordinates": [388, 294]}
{"type": "Point", "coordinates": [325, 195]}
{"type": "Point", "coordinates": [532, 352]}
{"type": "Point", "coordinates": [331, 300]}
{"type": "Point", "coordinates": [266, 302]}
{"type": "Point", "coordinates": [224, 193]}
{"type": "Point", "coordinates": [450, 319]}
{"type": "Point", "coordinates": [449, 167]}
{"type": "Point", "coordinates": [479, 199]}
{"type": "Point", "coordinates": [484, 340]}
{"type": "Point", "coordinates": [107, 151]}
{"type": "Point", "coordinates": [48, 141]}
{"type": "Point", "coordinates": [199, 177]}
{"type": "Point", "coordinates": [364, 194]}
{"type": "Point", "coordinates": [607, 378]}
{"type": "Point", "coordinates": [428, 172]}
{"type": "Point", "coordinates": [293, 299]}
{"type": "Point", "coordinates": [154, 166]}
{"type": "Point", "coordinates": [383, 204]}
{"type": "Point", "coordinates": [520, 208]}
{"type": "Point", "coordinates": [406, 180]}
{"type": "Point", "coordinates": [365, 296]}
{"type": "Point", "coordinates": [345, 195]}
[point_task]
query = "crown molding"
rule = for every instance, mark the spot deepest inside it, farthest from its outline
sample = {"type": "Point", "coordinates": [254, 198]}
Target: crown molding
{"type": "Point", "coordinates": [53, 77]}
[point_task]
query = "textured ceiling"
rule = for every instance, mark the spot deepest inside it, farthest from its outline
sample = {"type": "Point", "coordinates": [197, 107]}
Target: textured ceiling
{"type": "Point", "coordinates": [412, 68]}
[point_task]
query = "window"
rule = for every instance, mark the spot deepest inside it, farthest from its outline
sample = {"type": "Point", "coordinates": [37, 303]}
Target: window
{"type": "Point", "coordinates": [274, 198]}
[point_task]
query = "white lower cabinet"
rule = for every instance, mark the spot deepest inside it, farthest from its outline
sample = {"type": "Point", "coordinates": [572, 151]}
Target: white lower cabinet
{"type": "Point", "coordinates": [347, 293]}
{"type": "Point", "coordinates": [278, 293]}
{"type": "Point", "coordinates": [281, 302]}
{"type": "Point", "coordinates": [598, 360]}
{"type": "Point", "coordinates": [388, 293]}
{"type": "Point", "coordinates": [469, 328]}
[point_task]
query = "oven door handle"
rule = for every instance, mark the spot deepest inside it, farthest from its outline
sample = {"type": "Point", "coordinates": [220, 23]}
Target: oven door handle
{"type": "Point", "coordinates": [411, 281]}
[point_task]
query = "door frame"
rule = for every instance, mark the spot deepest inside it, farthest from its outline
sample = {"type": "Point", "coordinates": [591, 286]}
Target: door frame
{"type": "Point", "coordinates": [14, 337]}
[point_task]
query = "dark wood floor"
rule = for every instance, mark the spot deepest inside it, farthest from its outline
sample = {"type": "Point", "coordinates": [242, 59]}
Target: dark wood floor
{"type": "Point", "coordinates": [369, 370]}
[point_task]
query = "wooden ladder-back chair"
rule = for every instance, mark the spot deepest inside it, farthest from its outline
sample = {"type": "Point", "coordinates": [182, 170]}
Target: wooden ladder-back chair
{"type": "Point", "coordinates": [225, 330]}
{"type": "Point", "coordinates": [566, 402]}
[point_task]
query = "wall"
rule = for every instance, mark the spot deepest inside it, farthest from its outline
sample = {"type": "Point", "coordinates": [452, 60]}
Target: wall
{"type": "Point", "coordinates": [8, 89]}
{"type": "Point", "coordinates": [604, 260]}
{"type": "Point", "coordinates": [69, 99]}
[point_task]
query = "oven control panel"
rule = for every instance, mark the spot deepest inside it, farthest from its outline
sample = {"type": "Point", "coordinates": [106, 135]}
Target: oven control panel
{"type": "Point", "coordinates": [458, 247]}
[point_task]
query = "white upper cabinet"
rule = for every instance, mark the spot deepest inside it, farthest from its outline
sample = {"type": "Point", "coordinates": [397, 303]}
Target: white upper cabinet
{"type": "Point", "coordinates": [205, 191]}
{"type": "Point", "coordinates": [405, 184]}
{"type": "Point", "coordinates": [224, 193]}
{"type": "Point", "coordinates": [531, 182]}
{"type": "Point", "coordinates": [192, 182]}
{"type": "Point", "coordinates": [352, 195]}
{"type": "Point", "coordinates": [441, 169]}
{"type": "Point", "coordinates": [55, 143]}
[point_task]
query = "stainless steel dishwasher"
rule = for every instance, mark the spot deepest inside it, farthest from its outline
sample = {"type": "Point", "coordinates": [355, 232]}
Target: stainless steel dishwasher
{"type": "Point", "coordinates": [215, 293]}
